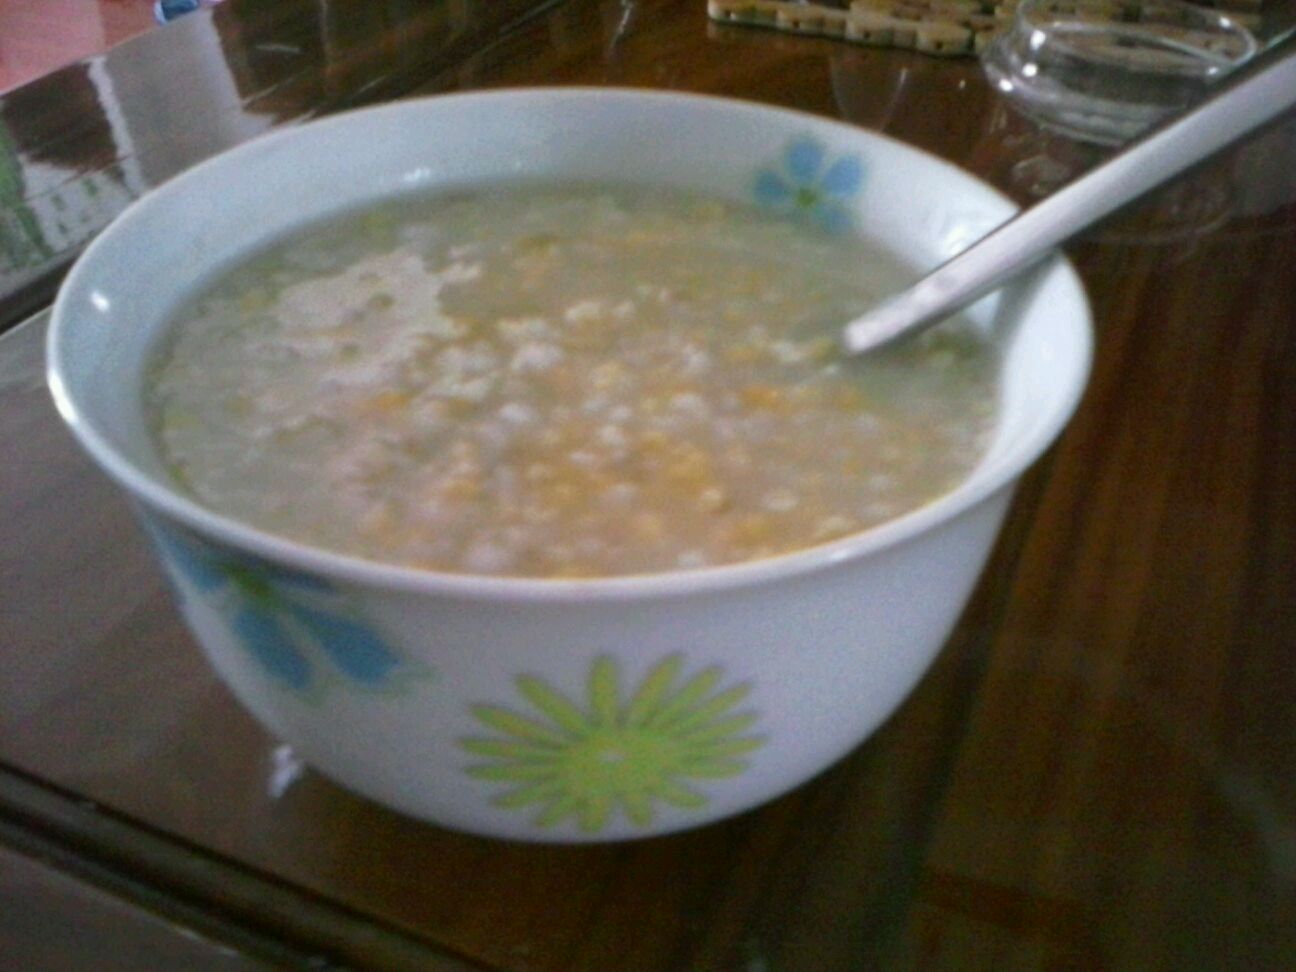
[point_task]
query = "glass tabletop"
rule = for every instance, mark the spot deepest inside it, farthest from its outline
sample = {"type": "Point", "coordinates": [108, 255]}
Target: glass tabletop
{"type": "Point", "coordinates": [1099, 771]}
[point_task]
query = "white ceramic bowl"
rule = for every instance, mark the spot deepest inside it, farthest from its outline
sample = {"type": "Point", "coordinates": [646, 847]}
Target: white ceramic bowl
{"type": "Point", "coordinates": [564, 710]}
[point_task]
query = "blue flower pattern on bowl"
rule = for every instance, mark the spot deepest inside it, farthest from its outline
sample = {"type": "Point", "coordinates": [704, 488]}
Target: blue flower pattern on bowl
{"type": "Point", "coordinates": [807, 183]}
{"type": "Point", "coordinates": [294, 625]}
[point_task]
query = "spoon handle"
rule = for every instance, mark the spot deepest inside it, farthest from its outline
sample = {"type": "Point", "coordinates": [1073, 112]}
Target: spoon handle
{"type": "Point", "coordinates": [1244, 101]}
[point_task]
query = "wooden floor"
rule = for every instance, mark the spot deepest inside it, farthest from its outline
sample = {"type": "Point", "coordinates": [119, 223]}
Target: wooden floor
{"type": "Point", "coordinates": [37, 36]}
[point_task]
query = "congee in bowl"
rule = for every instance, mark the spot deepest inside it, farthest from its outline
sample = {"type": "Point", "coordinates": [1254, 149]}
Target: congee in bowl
{"type": "Point", "coordinates": [574, 381]}
{"type": "Point", "coordinates": [499, 452]}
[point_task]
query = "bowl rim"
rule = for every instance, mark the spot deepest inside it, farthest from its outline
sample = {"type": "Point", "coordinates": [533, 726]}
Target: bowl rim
{"type": "Point", "coordinates": [364, 572]}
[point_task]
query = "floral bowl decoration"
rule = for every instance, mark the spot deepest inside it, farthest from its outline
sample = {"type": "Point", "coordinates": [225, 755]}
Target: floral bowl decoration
{"type": "Point", "coordinates": [577, 709]}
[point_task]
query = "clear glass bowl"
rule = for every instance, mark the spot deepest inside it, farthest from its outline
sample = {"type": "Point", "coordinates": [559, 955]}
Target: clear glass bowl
{"type": "Point", "coordinates": [1104, 71]}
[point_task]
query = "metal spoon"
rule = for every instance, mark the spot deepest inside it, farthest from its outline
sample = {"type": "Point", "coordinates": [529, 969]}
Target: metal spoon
{"type": "Point", "coordinates": [1247, 99]}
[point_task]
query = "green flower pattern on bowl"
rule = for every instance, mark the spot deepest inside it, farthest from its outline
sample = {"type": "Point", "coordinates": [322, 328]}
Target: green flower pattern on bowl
{"type": "Point", "coordinates": [299, 631]}
{"type": "Point", "coordinates": [807, 184]}
{"type": "Point", "coordinates": [628, 754]}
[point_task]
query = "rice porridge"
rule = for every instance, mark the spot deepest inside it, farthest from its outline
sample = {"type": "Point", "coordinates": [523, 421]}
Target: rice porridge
{"type": "Point", "coordinates": [561, 382]}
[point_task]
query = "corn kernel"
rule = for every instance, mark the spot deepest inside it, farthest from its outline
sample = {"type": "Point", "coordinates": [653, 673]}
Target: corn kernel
{"type": "Point", "coordinates": [764, 396]}
{"type": "Point", "coordinates": [384, 403]}
{"type": "Point", "coordinates": [648, 527]}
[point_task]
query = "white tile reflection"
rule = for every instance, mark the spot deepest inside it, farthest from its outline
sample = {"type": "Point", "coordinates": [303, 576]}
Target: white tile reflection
{"type": "Point", "coordinates": [285, 770]}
